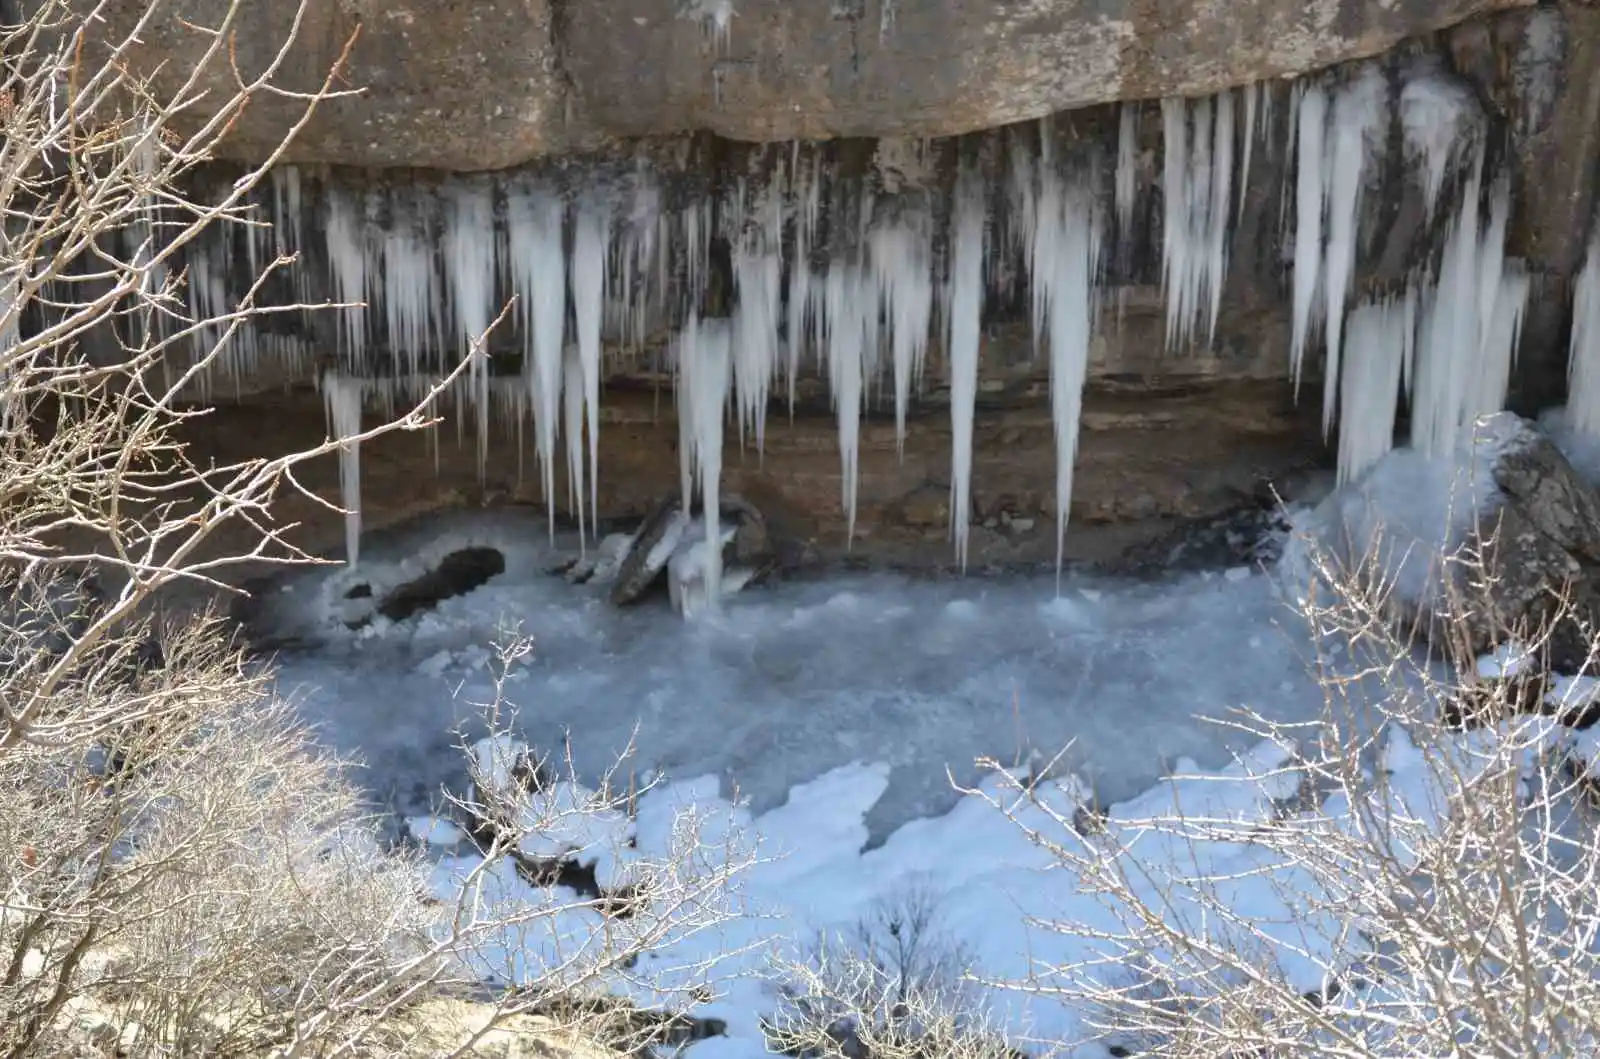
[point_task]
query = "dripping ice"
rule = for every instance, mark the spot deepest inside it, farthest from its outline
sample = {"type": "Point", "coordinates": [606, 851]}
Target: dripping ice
{"type": "Point", "coordinates": [342, 395]}
{"type": "Point", "coordinates": [1354, 136]}
{"type": "Point", "coordinates": [965, 300]}
{"type": "Point", "coordinates": [1583, 371]}
{"type": "Point", "coordinates": [1063, 271]}
{"type": "Point", "coordinates": [433, 268]}
{"type": "Point", "coordinates": [1196, 191]}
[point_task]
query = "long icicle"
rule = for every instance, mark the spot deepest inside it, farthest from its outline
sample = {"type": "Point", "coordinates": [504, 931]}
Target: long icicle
{"type": "Point", "coordinates": [1312, 119]}
{"type": "Point", "coordinates": [1065, 267]}
{"type": "Point", "coordinates": [342, 396]}
{"type": "Point", "coordinates": [591, 236]}
{"type": "Point", "coordinates": [470, 267]}
{"type": "Point", "coordinates": [538, 277]}
{"type": "Point", "coordinates": [965, 318]}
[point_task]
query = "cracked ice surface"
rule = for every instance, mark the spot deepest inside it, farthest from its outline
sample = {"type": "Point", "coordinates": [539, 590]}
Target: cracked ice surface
{"type": "Point", "coordinates": [792, 680]}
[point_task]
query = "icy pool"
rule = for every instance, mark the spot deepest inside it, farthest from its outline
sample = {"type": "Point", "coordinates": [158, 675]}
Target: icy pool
{"type": "Point", "coordinates": [792, 680]}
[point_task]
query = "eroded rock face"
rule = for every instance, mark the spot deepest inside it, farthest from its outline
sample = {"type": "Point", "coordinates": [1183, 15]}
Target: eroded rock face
{"type": "Point", "coordinates": [1145, 461]}
{"type": "Point", "coordinates": [491, 84]}
{"type": "Point", "coordinates": [1545, 556]}
{"type": "Point", "coordinates": [1500, 543]}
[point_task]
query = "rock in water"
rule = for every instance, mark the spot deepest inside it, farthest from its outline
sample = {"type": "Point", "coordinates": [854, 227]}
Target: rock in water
{"type": "Point", "coordinates": [1544, 556]}
{"type": "Point", "coordinates": [669, 531]}
{"type": "Point", "coordinates": [601, 564]}
{"type": "Point", "coordinates": [1500, 543]}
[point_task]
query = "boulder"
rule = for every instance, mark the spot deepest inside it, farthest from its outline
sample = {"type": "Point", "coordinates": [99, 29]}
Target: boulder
{"type": "Point", "coordinates": [1499, 541]}
{"type": "Point", "coordinates": [495, 83]}
{"type": "Point", "coordinates": [671, 535]}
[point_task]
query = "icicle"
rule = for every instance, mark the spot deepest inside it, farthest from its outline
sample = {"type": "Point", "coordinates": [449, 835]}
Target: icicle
{"type": "Point", "coordinates": [1196, 191]}
{"type": "Point", "coordinates": [1216, 228]}
{"type": "Point", "coordinates": [757, 277]}
{"type": "Point", "coordinates": [965, 318]}
{"type": "Point", "coordinates": [637, 257]}
{"type": "Point", "coordinates": [342, 396]}
{"type": "Point", "coordinates": [1252, 101]}
{"type": "Point", "coordinates": [1127, 187]}
{"type": "Point", "coordinates": [704, 356]}
{"type": "Point", "coordinates": [1197, 203]}
{"type": "Point", "coordinates": [591, 235]}
{"type": "Point", "coordinates": [1174, 204]}
{"type": "Point", "coordinates": [1359, 113]}
{"type": "Point", "coordinates": [409, 291]}
{"type": "Point", "coordinates": [1023, 192]}
{"type": "Point", "coordinates": [1065, 267]}
{"type": "Point", "coordinates": [901, 254]}
{"type": "Point", "coordinates": [539, 280]}
{"type": "Point", "coordinates": [572, 400]}
{"type": "Point", "coordinates": [141, 236]}
{"type": "Point", "coordinates": [801, 292]}
{"type": "Point", "coordinates": [1380, 336]}
{"type": "Point", "coordinates": [1312, 120]}
{"type": "Point", "coordinates": [469, 253]}
{"type": "Point", "coordinates": [286, 205]}
{"type": "Point", "coordinates": [849, 317]}
{"type": "Point", "coordinates": [208, 299]}
{"type": "Point", "coordinates": [697, 239]}
{"type": "Point", "coordinates": [1583, 364]}
{"type": "Point", "coordinates": [347, 266]}
{"type": "Point", "coordinates": [1440, 118]}
{"type": "Point", "coordinates": [1469, 331]}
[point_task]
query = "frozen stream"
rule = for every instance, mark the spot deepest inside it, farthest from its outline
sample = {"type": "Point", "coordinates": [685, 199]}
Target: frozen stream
{"type": "Point", "coordinates": [791, 680]}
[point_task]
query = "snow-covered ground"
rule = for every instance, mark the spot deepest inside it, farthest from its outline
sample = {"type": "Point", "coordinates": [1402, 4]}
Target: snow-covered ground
{"type": "Point", "coordinates": [817, 727]}
{"type": "Point", "coordinates": [792, 680]}
{"type": "Point", "coordinates": [824, 722]}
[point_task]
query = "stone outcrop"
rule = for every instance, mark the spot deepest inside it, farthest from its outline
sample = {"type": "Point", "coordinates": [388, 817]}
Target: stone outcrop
{"type": "Point", "coordinates": [1544, 556]}
{"type": "Point", "coordinates": [1502, 544]}
{"type": "Point", "coordinates": [1147, 459]}
{"type": "Point", "coordinates": [1169, 434]}
{"type": "Point", "coordinates": [492, 84]}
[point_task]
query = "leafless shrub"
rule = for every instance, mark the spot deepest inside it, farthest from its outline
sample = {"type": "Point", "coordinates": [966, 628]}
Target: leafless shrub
{"type": "Point", "coordinates": [894, 987]}
{"type": "Point", "coordinates": [1387, 883]}
{"type": "Point", "coordinates": [180, 866]}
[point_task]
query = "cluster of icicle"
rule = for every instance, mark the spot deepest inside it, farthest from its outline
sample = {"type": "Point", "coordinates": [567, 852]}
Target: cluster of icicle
{"type": "Point", "coordinates": [588, 265]}
{"type": "Point", "coordinates": [872, 314]}
{"type": "Point", "coordinates": [1450, 338]}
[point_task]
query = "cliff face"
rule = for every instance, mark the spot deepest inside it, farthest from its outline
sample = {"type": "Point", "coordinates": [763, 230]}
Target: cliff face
{"type": "Point", "coordinates": [488, 84]}
{"type": "Point", "coordinates": [701, 142]}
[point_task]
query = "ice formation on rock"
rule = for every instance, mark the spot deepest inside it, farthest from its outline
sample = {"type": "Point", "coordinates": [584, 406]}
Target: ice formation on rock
{"type": "Point", "coordinates": [1380, 335]}
{"type": "Point", "coordinates": [1583, 364]}
{"type": "Point", "coordinates": [964, 313]}
{"type": "Point", "coordinates": [346, 237]}
{"type": "Point", "coordinates": [1197, 195]}
{"type": "Point", "coordinates": [538, 267]}
{"type": "Point", "coordinates": [849, 322]}
{"type": "Point", "coordinates": [1354, 136]}
{"type": "Point", "coordinates": [470, 265]}
{"type": "Point", "coordinates": [1064, 269]}
{"type": "Point", "coordinates": [901, 254]}
{"type": "Point", "coordinates": [1440, 120]}
{"type": "Point", "coordinates": [1471, 318]}
{"type": "Point", "coordinates": [591, 236]}
{"type": "Point", "coordinates": [757, 242]}
{"type": "Point", "coordinates": [342, 396]}
{"type": "Point", "coordinates": [1311, 125]}
{"type": "Point", "coordinates": [1127, 186]}
{"type": "Point", "coordinates": [895, 275]}
{"type": "Point", "coordinates": [715, 18]}
{"type": "Point", "coordinates": [704, 355]}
